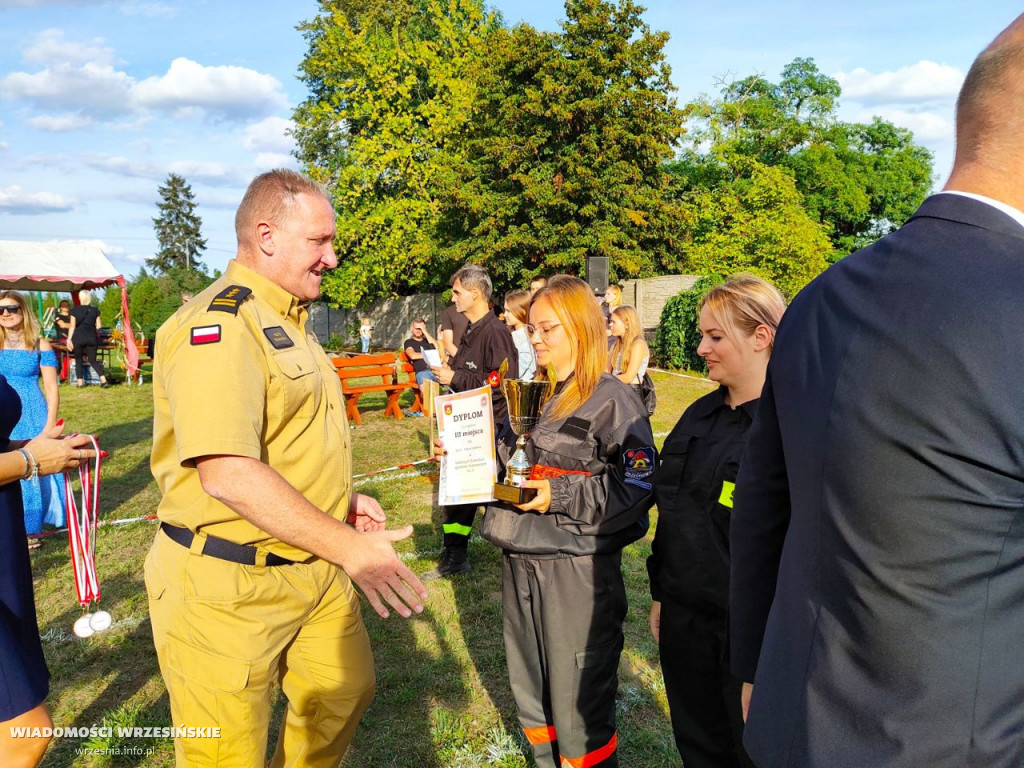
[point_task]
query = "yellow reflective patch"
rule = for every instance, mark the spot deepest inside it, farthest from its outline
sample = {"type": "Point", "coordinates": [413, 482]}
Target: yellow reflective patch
{"type": "Point", "coordinates": [726, 498]}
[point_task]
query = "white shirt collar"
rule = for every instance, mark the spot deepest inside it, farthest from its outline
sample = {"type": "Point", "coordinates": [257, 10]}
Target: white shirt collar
{"type": "Point", "coordinates": [1009, 210]}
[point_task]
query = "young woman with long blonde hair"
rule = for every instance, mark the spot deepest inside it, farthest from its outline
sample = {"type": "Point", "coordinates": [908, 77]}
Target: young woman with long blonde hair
{"type": "Point", "coordinates": [564, 600]}
{"type": "Point", "coordinates": [25, 359]}
{"type": "Point", "coordinates": [629, 355]}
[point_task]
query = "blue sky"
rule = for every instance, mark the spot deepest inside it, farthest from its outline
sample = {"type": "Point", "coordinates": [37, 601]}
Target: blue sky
{"type": "Point", "coordinates": [100, 100]}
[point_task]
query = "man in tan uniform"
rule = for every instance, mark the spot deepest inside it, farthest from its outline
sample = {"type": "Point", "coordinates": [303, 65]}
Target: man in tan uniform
{"type": "Point", "coordinates": [250, 578]}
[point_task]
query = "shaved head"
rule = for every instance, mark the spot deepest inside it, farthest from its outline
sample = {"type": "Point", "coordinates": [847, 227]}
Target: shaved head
{"type": "Point", "coordinates": [990, 108]}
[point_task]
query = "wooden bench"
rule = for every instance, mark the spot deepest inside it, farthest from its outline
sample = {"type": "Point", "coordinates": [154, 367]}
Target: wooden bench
{"type": "Point", "coordinates": [394, 380]}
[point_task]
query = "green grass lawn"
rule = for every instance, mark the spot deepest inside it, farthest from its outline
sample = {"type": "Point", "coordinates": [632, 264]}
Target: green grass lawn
{"type": "Point", "coordinates": [443, 698]}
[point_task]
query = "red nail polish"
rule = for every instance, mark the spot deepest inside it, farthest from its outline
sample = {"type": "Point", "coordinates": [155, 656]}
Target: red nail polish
{"type": "Point", "coordinates": [60, 422]}
{"type": "Point", "coordinates": [104, 454]}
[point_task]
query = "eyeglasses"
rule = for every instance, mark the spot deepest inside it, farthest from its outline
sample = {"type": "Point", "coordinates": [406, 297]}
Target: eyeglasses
{"type": "Point", "coordinates": [544, 329]}
{"type": "Point", "coordinates": [10, 309]}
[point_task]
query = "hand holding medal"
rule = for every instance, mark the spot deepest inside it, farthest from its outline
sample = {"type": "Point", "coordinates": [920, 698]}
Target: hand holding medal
{"type": "Point", "coordinates": [82, 525]}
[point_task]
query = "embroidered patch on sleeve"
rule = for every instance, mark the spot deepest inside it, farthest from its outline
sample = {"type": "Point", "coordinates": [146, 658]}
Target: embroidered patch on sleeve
{"type": "Point", "coordinates": [638, 465]}
{"type": "Point", "coordinates": [278, 337]}
{"type": "Point", "coordinates": [205, 334]}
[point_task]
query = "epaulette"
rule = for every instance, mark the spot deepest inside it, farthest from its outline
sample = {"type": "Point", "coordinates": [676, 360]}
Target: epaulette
{"type": "Point", "coordinates": [230, 299]}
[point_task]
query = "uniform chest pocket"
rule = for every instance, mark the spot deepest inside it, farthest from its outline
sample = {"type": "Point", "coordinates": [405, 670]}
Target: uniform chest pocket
{"type": "Point", "coordinates": [670, 475]}
{"type": "Point", "coordinates": [299, 383]}
{"type": "Point", "coordinates": [561, 451]}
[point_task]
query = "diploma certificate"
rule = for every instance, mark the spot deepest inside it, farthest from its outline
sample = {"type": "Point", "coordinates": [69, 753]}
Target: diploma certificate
{"type": "Point", "coordinates": [465, 423]}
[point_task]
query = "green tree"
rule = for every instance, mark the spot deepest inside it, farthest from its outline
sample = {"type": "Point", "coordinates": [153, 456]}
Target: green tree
{"type": "Point", "coordinates": [177, 228]}
{"type": "Point", "coordinates": [152, 298]}
{"type": "Point", "coordinates": [567, 150]}
{"type": "Point", "coordinates": [390, 95]}
{"type": "Point", "coordinates": [757, 224]}
{"type": "Point", "coordinates": [859, 180]}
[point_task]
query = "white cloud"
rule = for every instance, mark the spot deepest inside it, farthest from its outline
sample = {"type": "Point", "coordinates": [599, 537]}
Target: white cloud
{"type": "Point", "coordinates": [122, 166]}
{"type": "Point", "coordinates": [119, 253]}
{"type": "Point", "coordinates": [16, 200]}
{"type": "Point", "coordinates": [76, 77]}
{"type": "Point", "coordinates": [60, 123]}
{"type": "Point", "coordinates": [132, 125]}
{"type": "Point", "coordinates": [82, 78]}
{"type": "Point", "coordinates": [918, 83]}
{"type": "Point", "coordinates": [149, 10]}
{"type": "Point", "coordinates": [45, 3]}
{"type": "Point", "coordinates": [210, 172]}
{"type": "Point", "coordinates": [50, 49]}
{"type": "Point", "coordinates": [225, 92]}
{"type": "Point", "coordinates": [269, 135]}
{"type": "Point", "coordinates": [265, 161]}
{"type": "Point", "coordinates": [4, 145]}
{"type": "Point", "coordinates": [928, 127]}
{"type": "Point", "coordinates": [215, 174]}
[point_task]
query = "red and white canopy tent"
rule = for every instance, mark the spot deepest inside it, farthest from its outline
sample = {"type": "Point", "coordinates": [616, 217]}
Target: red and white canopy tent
{"type": "Point", "coordinates": [66, 266]}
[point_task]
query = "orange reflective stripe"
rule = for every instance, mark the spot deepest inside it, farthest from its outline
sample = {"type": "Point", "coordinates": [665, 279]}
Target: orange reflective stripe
{"type": "Point", "coordinates": [543, 735]}
{"type": "Point", "coordinates": [592, 758]}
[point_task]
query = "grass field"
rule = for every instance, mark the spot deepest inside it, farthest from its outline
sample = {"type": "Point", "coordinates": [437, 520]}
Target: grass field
{"type": "Point", "coordinates": [443, 698]}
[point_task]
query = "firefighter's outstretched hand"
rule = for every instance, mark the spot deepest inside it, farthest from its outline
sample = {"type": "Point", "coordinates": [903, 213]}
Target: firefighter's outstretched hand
{"type": "Point", "coordinates": [384, 579]}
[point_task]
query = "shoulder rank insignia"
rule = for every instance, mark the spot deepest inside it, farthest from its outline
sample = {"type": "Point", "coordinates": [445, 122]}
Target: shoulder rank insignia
{"type": "Point", "coordinates": [229, 299]}
{"type": "Point", "coordinates": [278, 337]}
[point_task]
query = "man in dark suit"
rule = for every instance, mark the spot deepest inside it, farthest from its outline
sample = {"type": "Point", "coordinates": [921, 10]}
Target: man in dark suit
{"type": "Point", "coordinates": [878, 529]}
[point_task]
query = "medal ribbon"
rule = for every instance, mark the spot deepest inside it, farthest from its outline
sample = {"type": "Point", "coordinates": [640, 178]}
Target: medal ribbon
{"type": "Point", "coordinates": [82, 527]}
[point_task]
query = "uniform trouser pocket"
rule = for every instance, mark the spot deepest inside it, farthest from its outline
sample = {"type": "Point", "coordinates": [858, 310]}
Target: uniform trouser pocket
{"type": "Point", "coordinates": [225, 637]}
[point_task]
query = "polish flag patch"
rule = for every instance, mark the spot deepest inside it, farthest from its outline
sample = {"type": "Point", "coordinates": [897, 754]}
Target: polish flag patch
{"type": "Point", "coordinates": [205, 334]}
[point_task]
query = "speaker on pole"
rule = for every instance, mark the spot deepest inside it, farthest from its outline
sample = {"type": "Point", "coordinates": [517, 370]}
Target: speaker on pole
{"type": "Point", "coordinates": [597, 274]}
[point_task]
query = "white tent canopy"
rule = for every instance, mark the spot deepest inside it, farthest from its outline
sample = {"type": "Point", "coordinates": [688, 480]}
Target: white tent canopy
{"type": "Point", "coordinates": [71, 266]}
{"type": "Point", "coordinates": [66, 266]}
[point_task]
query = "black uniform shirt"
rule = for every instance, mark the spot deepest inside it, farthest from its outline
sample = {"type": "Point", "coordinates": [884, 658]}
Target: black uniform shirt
{"type": "Point", "coordinates": [693, 486]}
{"type": "Point", "coordinates": [483, 347]}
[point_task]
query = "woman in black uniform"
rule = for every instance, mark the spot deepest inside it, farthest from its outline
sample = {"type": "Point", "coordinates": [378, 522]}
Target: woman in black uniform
{"type": "Point", "coordinates": [563, 595]}
{"type": "Point", "coordinates": [24, 680]}
{"type": "Point", "coordinates": [689, 564]}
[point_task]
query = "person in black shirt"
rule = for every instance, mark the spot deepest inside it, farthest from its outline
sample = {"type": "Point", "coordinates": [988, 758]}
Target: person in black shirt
{"type": "Point", "coordinates": [63, 321]}
{"type": "Point", "coordinates": [689, 564]}
{"type": "Point", "coordinates": [486, 343]}
{"type": "Point", "coordinates": [414, 347]}
{"type": "Point", "coordinates": [84, 339]}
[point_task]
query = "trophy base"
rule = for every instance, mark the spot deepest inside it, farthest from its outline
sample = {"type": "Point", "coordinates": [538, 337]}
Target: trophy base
{"type": "Point", "coordinates": [513, 493]}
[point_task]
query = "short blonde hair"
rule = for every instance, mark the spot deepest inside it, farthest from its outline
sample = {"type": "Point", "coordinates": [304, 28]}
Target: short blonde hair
{"type": "Point", "coordinates": [271, 196]}
{"type": "Point", "coordinates": [743, 302]}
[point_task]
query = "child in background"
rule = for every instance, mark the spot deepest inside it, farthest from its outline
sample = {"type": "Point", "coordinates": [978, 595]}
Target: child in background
{"type": "Point", "coordinates": [365, 330]}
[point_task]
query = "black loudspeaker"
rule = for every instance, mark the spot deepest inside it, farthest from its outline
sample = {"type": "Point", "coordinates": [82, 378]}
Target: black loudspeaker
{"type": "Point", "coordinates": [597, 274]}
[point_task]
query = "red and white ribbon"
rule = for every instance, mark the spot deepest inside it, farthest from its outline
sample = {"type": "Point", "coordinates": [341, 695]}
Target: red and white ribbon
{"type": "Point", "coordinates": [82, 528]}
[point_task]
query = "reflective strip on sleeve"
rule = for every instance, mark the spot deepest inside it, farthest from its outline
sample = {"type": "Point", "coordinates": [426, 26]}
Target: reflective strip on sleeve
{"type": "Point", "coordinates": [596, 757]}
{"type": "Point", "coordinates": [462, 530]}
{"type": "Point", "coordinates": [545, 734]}
{"type": "Point", "coordinates": [726, 498]}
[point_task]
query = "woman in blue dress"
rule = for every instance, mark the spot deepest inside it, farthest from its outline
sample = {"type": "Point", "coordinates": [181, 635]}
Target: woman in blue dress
{"type": "Point", "coordinates": [24, 679]}
{"type": "Point", "coordinates": [24, 357]}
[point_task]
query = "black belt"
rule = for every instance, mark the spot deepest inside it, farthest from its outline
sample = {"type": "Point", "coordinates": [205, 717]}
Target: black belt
{"type": "Point", "coordinates": [222, 549]}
